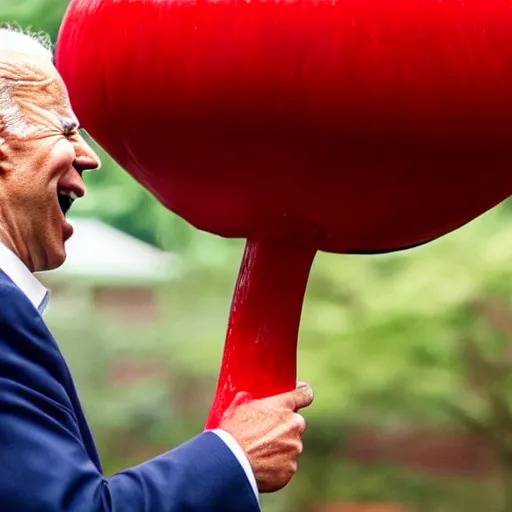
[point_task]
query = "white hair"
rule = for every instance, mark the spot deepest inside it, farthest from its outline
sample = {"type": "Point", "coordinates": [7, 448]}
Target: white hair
{"type": "Point", "coordinates": [13, 40]}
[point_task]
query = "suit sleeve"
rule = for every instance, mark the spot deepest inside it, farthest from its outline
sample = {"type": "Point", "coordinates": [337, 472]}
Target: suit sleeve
{"type": "Point", "coordinates": [237, 450]}
{"type": "Point", "coordinates": [45, 466]}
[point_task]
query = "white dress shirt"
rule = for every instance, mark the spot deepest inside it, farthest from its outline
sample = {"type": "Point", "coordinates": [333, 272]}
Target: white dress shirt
{"type": "Point", "coordinates": [39, 296]}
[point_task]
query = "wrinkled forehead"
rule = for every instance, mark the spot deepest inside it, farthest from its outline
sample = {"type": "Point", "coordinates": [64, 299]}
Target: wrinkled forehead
{"type": "Point", "coordinates": [33, 91]}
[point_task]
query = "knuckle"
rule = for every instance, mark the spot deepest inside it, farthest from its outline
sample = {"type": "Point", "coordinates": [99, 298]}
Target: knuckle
{"type": "Point", "coordinates": [287, 472]}
{"type": "Point", "coordinates": [289, 469]}
{"type": "Point", "coordinates": [300, 423]}
{"type": "Point", "coordinates": [295, 449]}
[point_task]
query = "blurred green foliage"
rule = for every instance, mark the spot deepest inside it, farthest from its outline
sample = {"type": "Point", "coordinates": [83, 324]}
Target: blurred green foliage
{"type": "Point", "coordinates": [35, 15]}
{"type": "Point", "coordinates": [419, 338]}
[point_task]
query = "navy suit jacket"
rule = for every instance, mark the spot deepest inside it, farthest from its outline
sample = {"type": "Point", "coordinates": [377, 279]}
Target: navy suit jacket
{"type": "Point", "coordinates": [48, 459]}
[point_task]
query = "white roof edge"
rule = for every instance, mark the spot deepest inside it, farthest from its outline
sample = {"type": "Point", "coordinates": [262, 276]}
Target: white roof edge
{"type": "Point", "coordinates": [100, 251]}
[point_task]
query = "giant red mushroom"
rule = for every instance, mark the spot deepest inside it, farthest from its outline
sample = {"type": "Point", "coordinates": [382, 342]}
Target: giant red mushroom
{"type": "Point", "coordinates": [349, 126]}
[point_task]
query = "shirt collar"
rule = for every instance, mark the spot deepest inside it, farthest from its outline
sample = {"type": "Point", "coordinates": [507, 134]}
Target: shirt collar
{"type": "Point", "coordinates": [21, 276]}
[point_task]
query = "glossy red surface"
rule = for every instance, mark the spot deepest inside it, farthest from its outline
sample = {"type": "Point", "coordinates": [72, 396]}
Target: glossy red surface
{"type": "Point", "coordinates": [376, 124]}
{"type": "Point", "coordinates": [260, 354]}
{"type": "Point", "coordinates": [341, 125]}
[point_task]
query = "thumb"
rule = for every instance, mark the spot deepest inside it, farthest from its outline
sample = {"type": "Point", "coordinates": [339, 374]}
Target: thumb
{"type": "Point", "coordinates": [294, 400]}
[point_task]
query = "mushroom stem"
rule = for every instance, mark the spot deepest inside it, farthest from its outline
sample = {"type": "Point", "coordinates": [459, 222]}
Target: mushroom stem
{"type": "Point", "coordinates": [260, 353]}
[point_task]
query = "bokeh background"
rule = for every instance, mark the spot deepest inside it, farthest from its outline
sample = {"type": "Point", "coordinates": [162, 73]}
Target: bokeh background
{"type": "Point", "coordinates": [410, 354]}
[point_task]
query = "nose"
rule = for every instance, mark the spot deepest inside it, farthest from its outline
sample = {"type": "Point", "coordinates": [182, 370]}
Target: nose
{"type": "Point", "coordinates": [86, 159]}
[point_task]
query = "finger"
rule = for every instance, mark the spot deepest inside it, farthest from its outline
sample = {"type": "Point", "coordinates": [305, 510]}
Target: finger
{"type": "Point", "coordinates": [302, 397]}
{"type": "Point", "coordinates": [300, 423]}
{"type": "Point", "coordinates": [293, 400]}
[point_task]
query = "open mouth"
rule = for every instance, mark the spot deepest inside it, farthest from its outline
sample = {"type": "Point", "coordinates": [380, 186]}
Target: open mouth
{"type": "Point", "coordinates": [66, 199]}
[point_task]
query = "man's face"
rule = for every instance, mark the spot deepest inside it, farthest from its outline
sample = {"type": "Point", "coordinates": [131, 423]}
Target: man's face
{"type": "Point", "coordinates": [41, 164]}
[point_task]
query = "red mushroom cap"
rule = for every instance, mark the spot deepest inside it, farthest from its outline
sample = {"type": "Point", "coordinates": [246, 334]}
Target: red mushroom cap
{"type": "Point", "coordinates": [357, 125]}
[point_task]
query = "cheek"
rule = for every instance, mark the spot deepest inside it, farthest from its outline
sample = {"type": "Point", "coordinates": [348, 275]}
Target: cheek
{"type": "Point", "coordinates": [55, 160]}
{"type": "Point", "coordinates": [45, 163]}
{"type": "Point", "coordinates": [36, 168]}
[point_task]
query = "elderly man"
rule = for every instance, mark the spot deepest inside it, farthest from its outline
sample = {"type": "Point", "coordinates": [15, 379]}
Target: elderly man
{"type": "Point", "coordinates": [49, 460]}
